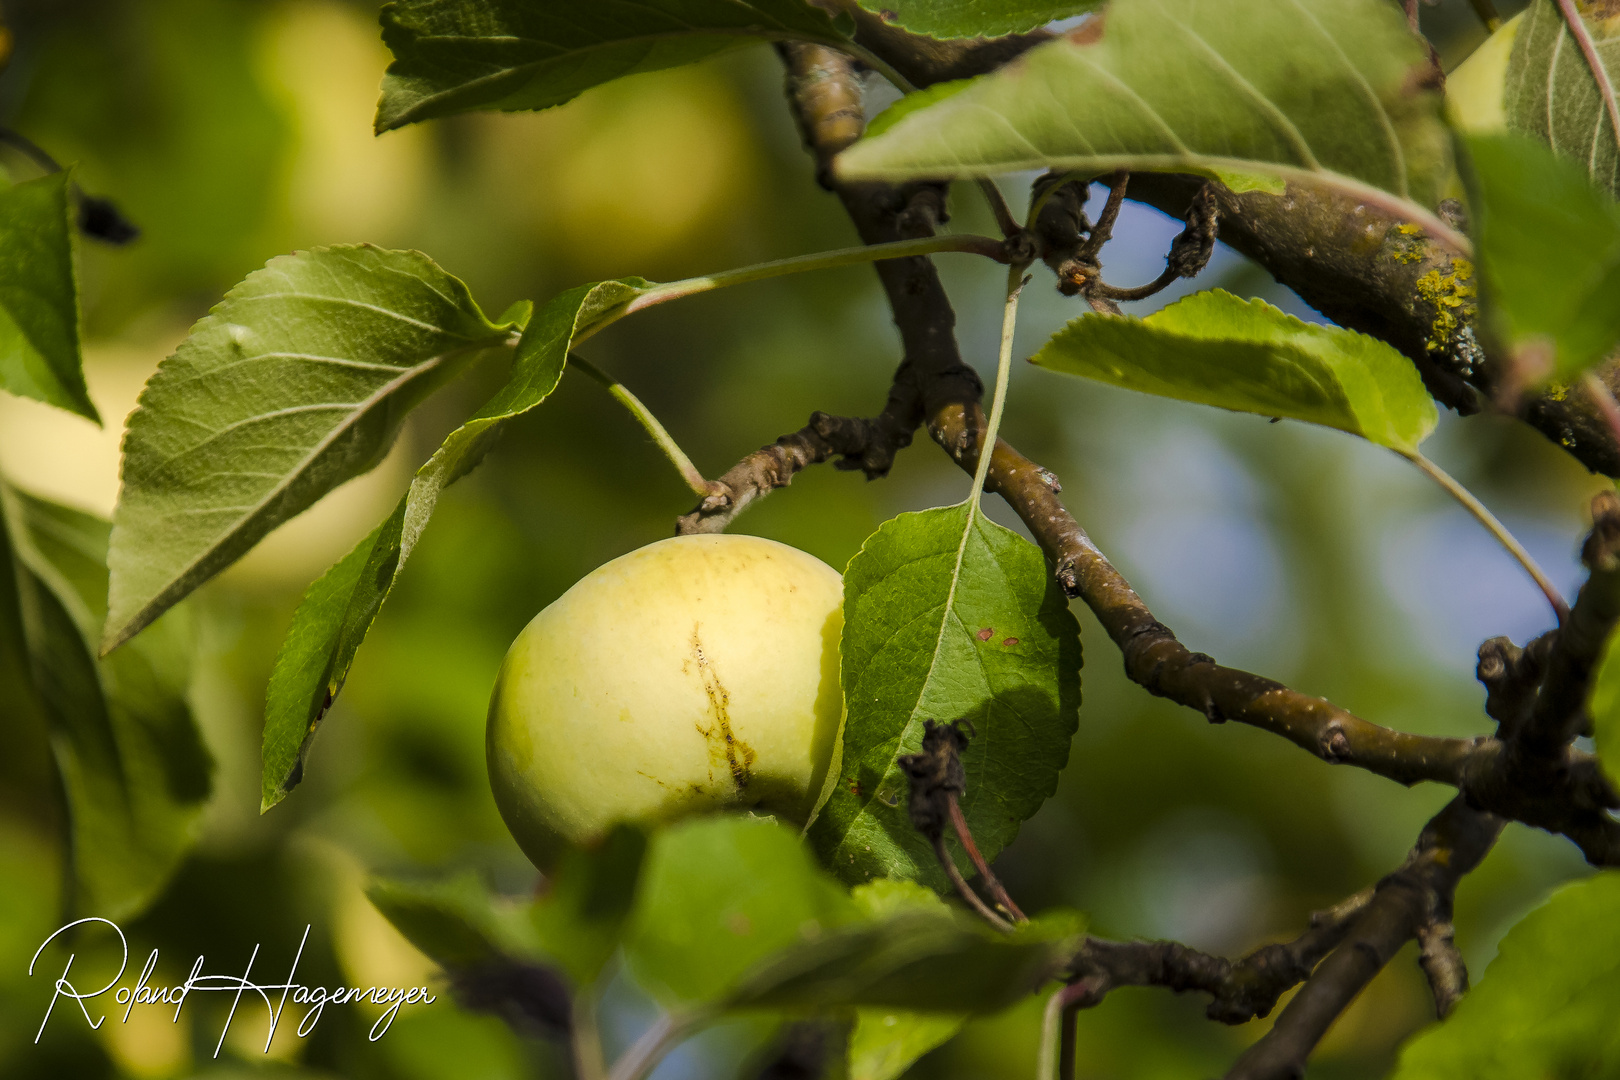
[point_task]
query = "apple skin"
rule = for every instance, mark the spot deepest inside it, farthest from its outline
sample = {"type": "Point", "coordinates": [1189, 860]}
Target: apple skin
{"type": "Point", "coordinates": [696, 674]}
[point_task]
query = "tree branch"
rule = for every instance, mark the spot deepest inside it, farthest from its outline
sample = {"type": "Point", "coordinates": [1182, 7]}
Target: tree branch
{"type": "Point", "coordinates": [1239, 990]}
{"type": "Point", "coordinates": [1405, 905]}
{"type": "Point", "coordinates": [932, 382]}
{"type": "Point", "coordinates": [867, 445]}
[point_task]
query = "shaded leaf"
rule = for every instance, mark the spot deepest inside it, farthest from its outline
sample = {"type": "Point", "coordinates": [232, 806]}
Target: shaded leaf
{"type": "Point", "coordinates": [133, 766]}
{"type": "Point", "coordinates": [338, 610]}
{"type": "Point", "coordinates": [581, 918]}
{"type": "Point", "coordinates": [1546, 1004]}
{"type": "Point", "coordinates": [885, 1042]}
{"type": "Point", "coordinates": [39, 296]}
{"type": "Point", "coordinates": [974, 18]}
{"type": "Point", "coordinates": [576, 924]}
{"type": "Point", "coordinates": [1550, 93]}
{"type": "Point", "coordinates": [948, 615]}
{"type": "Point", "coordinates": [940, 961]}
{"type": "Point", "coordinates": [719, 895]}
{"type": "Point", "coordinates": [1604, 708]}
{"type": "Point", "coordinates": [1549, 251]}
{"type": "Point", "coordinates": [458, 923]}
{"type": "Point", "coordinates": [1215, 349]}
{"type": "Point", "coordinates": [453, 56]}
{"type": "Point", "coordinates": [297, 381]}
{"type": "Point", "coordinates": [1323, 90]}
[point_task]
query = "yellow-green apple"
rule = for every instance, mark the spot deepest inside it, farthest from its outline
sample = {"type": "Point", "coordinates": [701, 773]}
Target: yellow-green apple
{"type": "Point", "coordinates": [698, 673]}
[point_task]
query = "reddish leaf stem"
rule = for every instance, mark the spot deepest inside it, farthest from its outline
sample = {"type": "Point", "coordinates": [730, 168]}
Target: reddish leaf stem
{"type": "Point", "coordinates": [965, 835]}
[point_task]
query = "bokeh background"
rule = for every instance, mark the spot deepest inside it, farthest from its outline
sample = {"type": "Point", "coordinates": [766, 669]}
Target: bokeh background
{"type": "Point", "coordinates": [234, 130]}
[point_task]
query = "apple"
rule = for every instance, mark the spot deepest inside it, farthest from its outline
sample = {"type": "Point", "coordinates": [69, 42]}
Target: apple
{"type": "Point", "coordinates": [696, 674]}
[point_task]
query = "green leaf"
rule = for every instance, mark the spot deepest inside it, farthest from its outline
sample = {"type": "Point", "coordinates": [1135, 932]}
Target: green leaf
{"type": "Point", "coordinates": [940, 961]}
{"type": "Point", "coordinates": [133, 766]}
{"type": "Point", "coordinates": [1321, 90]}
{"type": "Point", "coordinates": [338, 610]}
{"type": "Point", "coordinates": [1604, 708]}
{"type": "Point", "coordinates": [1215, 349]}
{"type": "Point", "coordinates": [297, 381]}
{"type": "Point", "coordinates": [717, 896]}
{"type": "Point", "coordinates": [1545, 1006]}
{"type": "Point", "coordinates": [1549, 251]}
{"type": "Point", "coordinates": [458, 923]}
{"type": "Point", "coordinates": [452, 56]}
{"type": "Point", "coordinates": [974, 18]}
{"type": "Point", "coordinates": [887, 1042]}
{"type": "Point", "coordinates": [39, 296]}
{"type": "Point", "coordinates": [1549, 92]}
{"type": "Point", "coordinates": [948, 615]}
{"type": "Point", "coordinates": [1475, 88]}
{"type": "Point", "coordinates": [582, 916]}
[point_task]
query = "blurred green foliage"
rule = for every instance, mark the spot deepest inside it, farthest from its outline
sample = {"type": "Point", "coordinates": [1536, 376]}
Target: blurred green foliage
{"type": "Point", "coordinates": [234, 130]}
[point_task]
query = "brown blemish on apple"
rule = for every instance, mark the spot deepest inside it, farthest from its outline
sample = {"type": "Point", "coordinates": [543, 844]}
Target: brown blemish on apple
{"type": "Point", "coordinates": [1010, 641]}
{"type": "Point", "coordinates": [722, 743]}
{"type": "Point", "coordinates": [986, 634]}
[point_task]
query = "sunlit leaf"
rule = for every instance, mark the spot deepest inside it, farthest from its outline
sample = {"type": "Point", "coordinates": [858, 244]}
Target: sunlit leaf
{"type": "Point", "coordinates": [887, 1042]}
{"type": "Point", "coordinates": [1549, 252]}
{"type": "Point", "coordinates": [338, 610]}
{"type": "Point", "coordinates": [134, 769]}
{"type": "Point", "coordinates": [39, 296]}
{"type": "Point", "coordinates": [948, 615]}
{"type": "Point", "coordinates": [1545, 1006]}
{"type": "Point", "coordinates": [1475, 88]}
{"type": "Point", "coordinates": [297, 381]}
{"type": "Point", "coordinates": [1551, 94]}
{"type": "Point", "coordinates": [1216, 349]}
{"type": "Point", "coordinates": [1326, 90]}
{"type": "Point", "coordinates": [719, 895]}
{"type": "Point", "coordinates": [974, 18]}
{"type": "Point", "coordinates": [452, 56]}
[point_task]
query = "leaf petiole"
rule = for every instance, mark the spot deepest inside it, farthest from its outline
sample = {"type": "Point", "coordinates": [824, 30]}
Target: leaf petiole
{"type": "Point", "coordinates": [644, 416]}
{"type": "Point", "coordinates": [1495, 527]}
{"type": "Point", "coordinates": [1009, 320]}
{"type": "Point", "coordinates": [972, 244]}
{"type": "Point", "coordinates": [667, 1032]}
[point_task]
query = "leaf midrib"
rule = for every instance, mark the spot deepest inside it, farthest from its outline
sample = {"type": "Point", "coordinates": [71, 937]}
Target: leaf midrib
{"type": "Point", "coordinates": [530, 69]}
{"type": "Point", "coordinates": [178, 579]}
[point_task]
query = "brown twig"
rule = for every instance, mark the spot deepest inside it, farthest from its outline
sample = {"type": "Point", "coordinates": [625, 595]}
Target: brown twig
{"type": "Point", "coordinates": [1240, 990]}
{"type": "Point", "coordinates": [867, 445]}
{"type": "Point", "coordinates": [1451, 845]}
{"type": "Point", "coordinates": [933, 378]}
